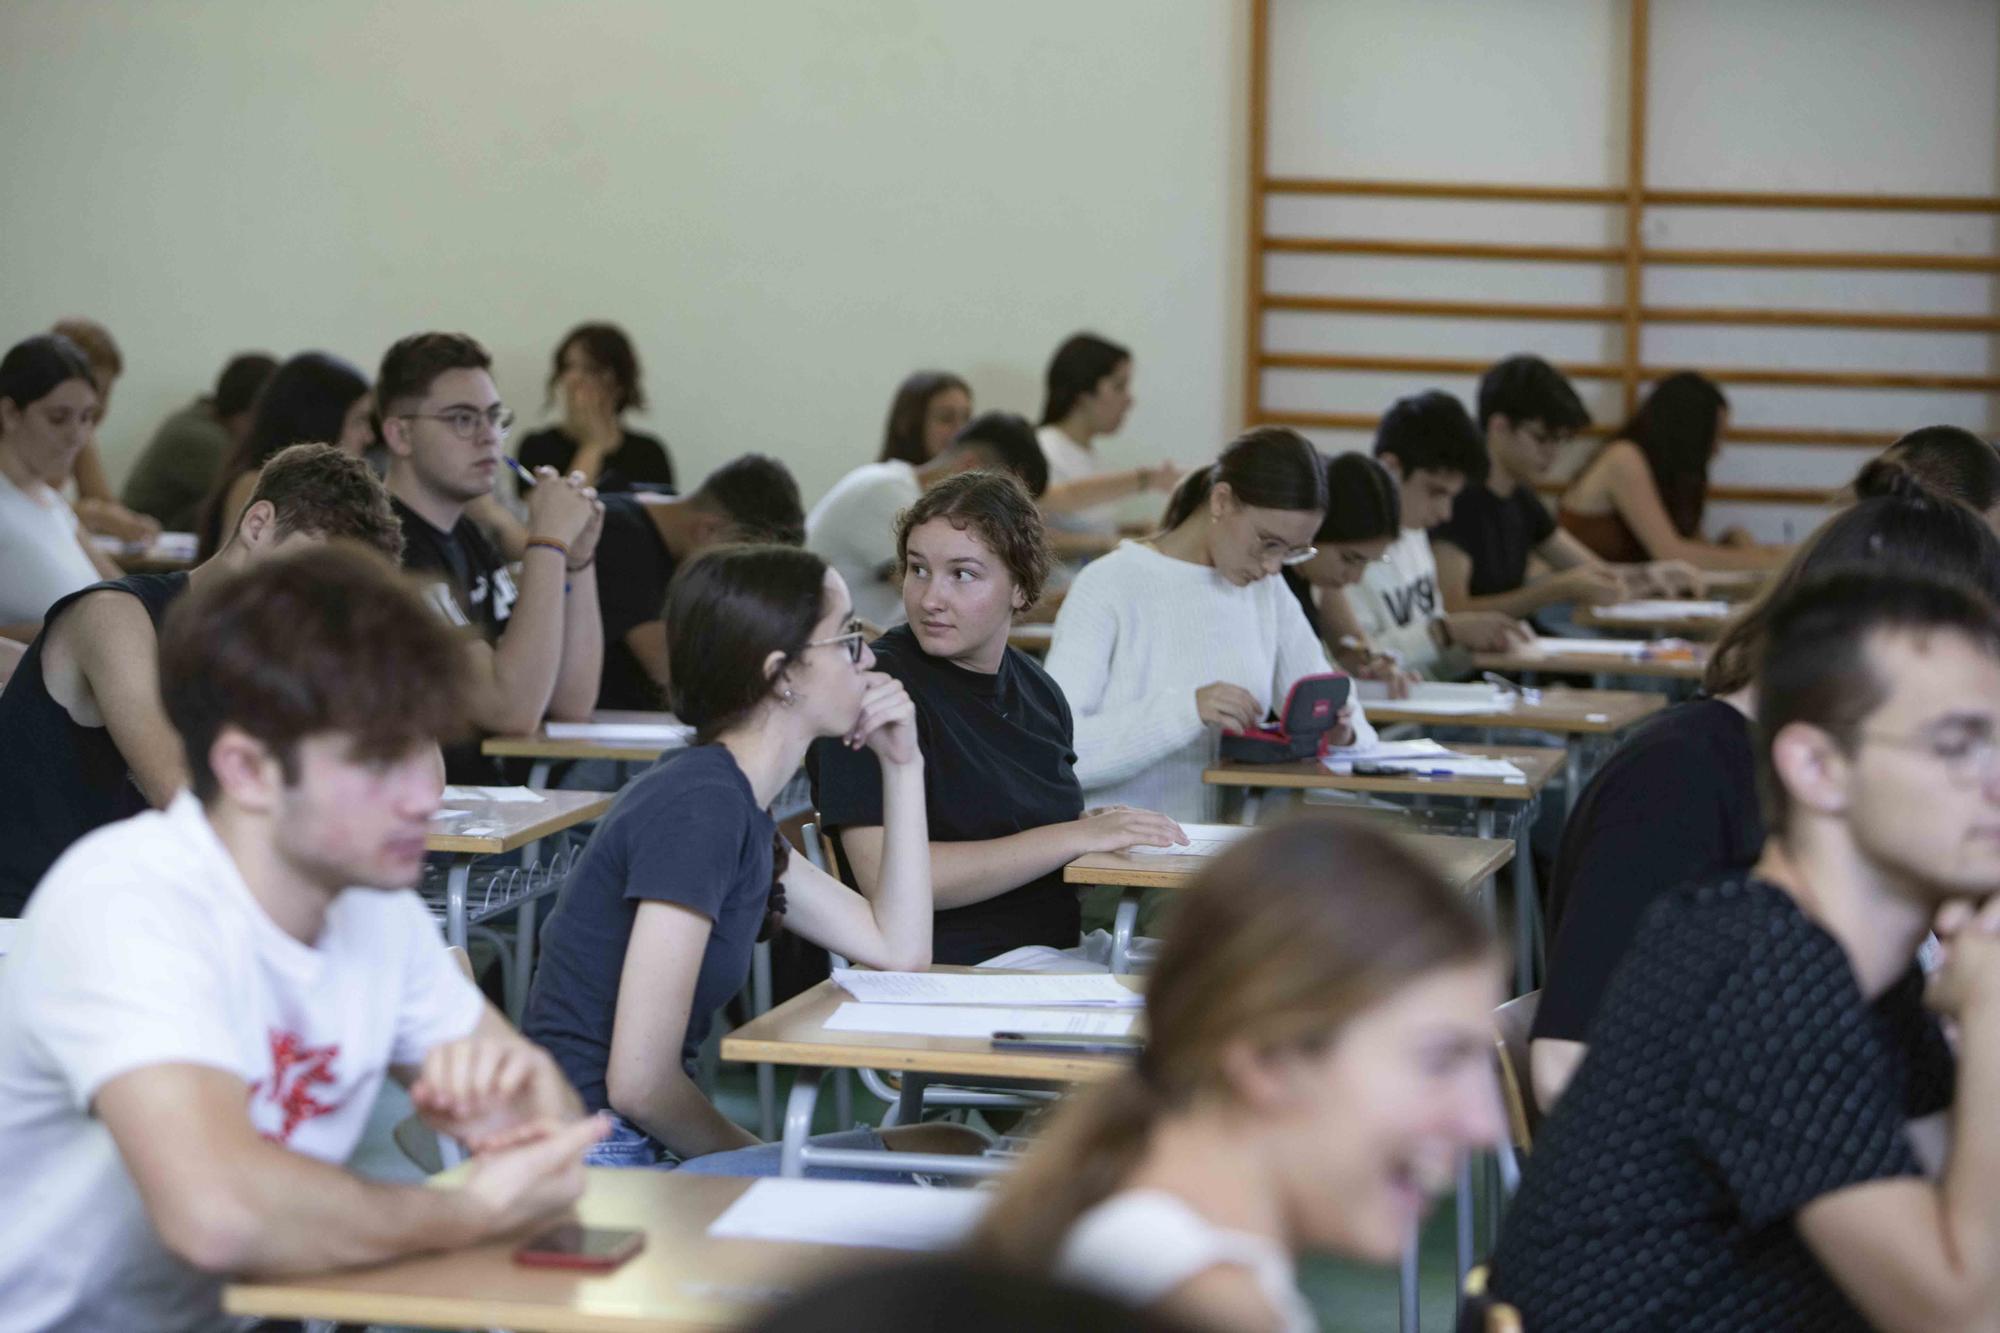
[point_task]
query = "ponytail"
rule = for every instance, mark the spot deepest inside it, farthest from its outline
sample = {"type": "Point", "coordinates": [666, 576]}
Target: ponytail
{"type": "Point", "coordinates": [1189, 496]}
{"type": "Point", "coordinates": [1269, 467]}
{"type": "Point", "coordinates": [1946, 460]}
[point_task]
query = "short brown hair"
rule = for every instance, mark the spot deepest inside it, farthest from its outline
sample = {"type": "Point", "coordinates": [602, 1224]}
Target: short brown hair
{"type": "Point", "coordinates": [331, 639]}
{"type": "Point", "coordinates": [317, 489]}
{"type": "Point", "coordinates": [96, 342]}
{"type": "Point", "coordinates": [996, 507]}
{"type": "Point", "coordinates": [412, 365]}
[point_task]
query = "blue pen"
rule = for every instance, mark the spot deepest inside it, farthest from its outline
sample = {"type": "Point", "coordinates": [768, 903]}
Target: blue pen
{"type": "Point", "coordinates": [527, 477]}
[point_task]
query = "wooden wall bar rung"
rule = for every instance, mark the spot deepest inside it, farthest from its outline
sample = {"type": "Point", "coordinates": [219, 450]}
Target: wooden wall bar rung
{"type": "Point", "coordinates": [1526, 194]}
{"type": "Point", "coordinates": [1827, 259]}
{"type": "Point", "coordinates": [1593, 194]}
{"type": "Point", "coordinates": [1392, 249]}
{"type": "Point", "coordinates": [1605, 254]}
{"type": "Point", "coordinates": [1808, 436]}
{"type": "Point", "coordinates": [1824, 379]}
{"type": "Point", "coordinates": [1368, 305]}
{"type": "Point", "coordinates": [1866, 203]}
{"type": "Point", "coordinates": [1415, 365]}
{"type": "Point", "coordinates": [1811, 496]}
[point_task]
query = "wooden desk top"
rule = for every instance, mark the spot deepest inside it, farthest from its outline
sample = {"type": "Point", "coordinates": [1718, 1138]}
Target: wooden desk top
{"type": "Point", "coordinates": [1688, 667]}
{"type": "Point", "coordinates": [513, 823]}
{"type": "Point", "coordinates": [1032, 638]}
{"type": "Point", "coordinates": [794, 1034]}
{"type": "Point", "coordinates": [1679, 627]}
{"type": "Point", "coordinates": [538, 745]}
{"type": "Point", "coordinates": [682, 1279]}
{"type": "Point", "coordinates": [1464, 862]}
{"type": "Point", "coordinates": [1735, 585]}
{"type": "Point", "coordinates": [1539, 764]}
{"type": "Point", "coordinates": [1562, 711]}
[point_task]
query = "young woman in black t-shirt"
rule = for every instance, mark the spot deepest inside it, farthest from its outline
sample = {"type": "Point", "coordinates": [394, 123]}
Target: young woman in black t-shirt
{"type": "Point", "coordinates": [1005, 810]}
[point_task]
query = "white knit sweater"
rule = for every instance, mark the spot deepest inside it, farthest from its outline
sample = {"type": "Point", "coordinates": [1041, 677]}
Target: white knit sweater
{"type": "Point", "coordinates": [1139, 633]}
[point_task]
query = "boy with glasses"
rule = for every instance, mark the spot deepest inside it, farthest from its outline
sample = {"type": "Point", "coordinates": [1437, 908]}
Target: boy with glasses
{"type": "Point", "coordinates": [1528, 412]}
{"type": "Point", "coordinates": [540, 644]}
{"type": "Point", "coordinates": [1753, 1141]}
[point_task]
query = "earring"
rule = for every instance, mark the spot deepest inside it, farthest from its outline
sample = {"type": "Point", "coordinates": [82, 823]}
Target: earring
{"type": "Point", "coordinates": [786, 696]}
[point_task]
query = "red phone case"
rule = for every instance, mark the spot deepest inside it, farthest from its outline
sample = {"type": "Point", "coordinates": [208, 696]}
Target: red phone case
{"type": "Point", "coordinates": [530, 1257]}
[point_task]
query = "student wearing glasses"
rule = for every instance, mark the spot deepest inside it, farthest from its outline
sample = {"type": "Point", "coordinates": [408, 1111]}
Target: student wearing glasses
{"type": "Point", "coordinates": [536, 646]}
{"type": "Point", "coordinates": [654, 929]}
{"type": "Point", "coordinates": [1363, 512]}
{"type": "Point", "coordinates": [1165, 641]}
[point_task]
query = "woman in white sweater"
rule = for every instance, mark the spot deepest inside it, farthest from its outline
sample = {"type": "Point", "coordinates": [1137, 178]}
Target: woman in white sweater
{"type": "Point", "coordinates": [1164, 642]}
{"type": "Point", "coordinates": [1318, 1058]}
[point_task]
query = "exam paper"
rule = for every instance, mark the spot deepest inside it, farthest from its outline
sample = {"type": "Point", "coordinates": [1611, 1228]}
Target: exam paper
{"type": "Point", "coordinates": [1410, 749]}
{"type": "Point", "coordinates": [637, 733]}
{"type": "Point", "coordinates": [945, 1020]}
{"type": "Point", "coordinates": [840, 1212]}
{"type": "Point", "coordinates": [1203, 840]}
{"type": "Point", "coordinates": [1633, 648]}
{"type": "Point", "coordinates": [1437, 697]}
{"type": "Point", "coordinates": [983, 988]}
{"type": "Point", "coordinates": [1664, 609]}
{"type": "Point", "coordinates": [497, 795]}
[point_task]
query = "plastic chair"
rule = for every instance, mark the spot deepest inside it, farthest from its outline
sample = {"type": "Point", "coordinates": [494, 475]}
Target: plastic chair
{"type": "Point", "coordinates": [1512, 1022]}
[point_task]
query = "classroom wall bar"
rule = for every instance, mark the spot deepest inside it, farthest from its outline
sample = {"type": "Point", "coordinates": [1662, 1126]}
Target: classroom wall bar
{"type": "Point", "coordinates": [1631, 315]}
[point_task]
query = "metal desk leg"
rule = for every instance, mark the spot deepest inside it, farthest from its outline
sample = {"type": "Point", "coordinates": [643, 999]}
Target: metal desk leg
{"type": "Point", "coordinates": [1464, 1220]}
{"type": "Point", "coordinates": [455, 881]}
{"type": "Point", "coordinates": [1482, 825]}
{"type": "Point", "coordinates": [910, 1103]}
{"type": "Point", "coordinates": [1526, 903]}
{"type": "Point", "coordinates": [538, 773]}
{"type": "Point", "coordinates": [1409, 1311]}
{"type": "Point", "coordinates": [1253, 805]}
{"type": "Point", "coordinates": [760, 1004]}
{"type": "Point", "coordinates": [1123, 921]}
{"type": "Point", "coordinates": [524, 959]}
{"type": "Point", "coordinates": [1572, 773]}
{"type": "Point", "coordinates": [798, 1123]}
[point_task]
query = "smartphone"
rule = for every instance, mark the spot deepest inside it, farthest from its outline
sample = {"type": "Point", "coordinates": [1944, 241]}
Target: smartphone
{"type": "Point", "coordinates": [596, 1249]}
{"type": "Point", "coordinates": [1068, 1043]}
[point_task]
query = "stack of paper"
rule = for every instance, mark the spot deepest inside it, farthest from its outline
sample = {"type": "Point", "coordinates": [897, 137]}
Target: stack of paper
{"type": "Point", "coordinates": [1203, 840]}
{"type": "Point", "coordinates": [1657, 609]}
{"type": "Point", "coordinates": [985, 988]}
{"type": "Point", "coordinates": [840, 1212]}
{"type": "Point", "coordinates": [1436, 697]}
{"type": "Point", "coordinates": [1631, 648]}
{"type": "Point", "coordinates": [974, 1020]}
{"type": "Point", "coordinates": [1422, 758]}
{"type": "Point", "coordinates": [668, 733]}
{"type": "Point", "coordinates": [495, 795]}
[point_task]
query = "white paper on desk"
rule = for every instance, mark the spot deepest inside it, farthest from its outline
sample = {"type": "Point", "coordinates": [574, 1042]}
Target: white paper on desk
{"type": "Point", "coordinates": [947, 1020]}
{"type": "Point", "coordinates": [1341, 761]}
{"type": "Point", "coordinates": [1661, 608]}
{"type": "Point", "coordinates": [637, 733]}
{"type": "Point", "coordinates": [983, 988]}
{"type": "Point", "coordinates": [1458, 766]}
{"type": "Point", "coordinates": [175, 546]}
{"type": "Point", "coordinates": [497, 795]}
{"type": "Point", "coordinates": [842, 1212]}
{"type": "Point", "coordinates": [1632, 648]}
{"type": "Point", "coordinates": [442, 815]}
{"type": "Point", "coordinates": [1437, 697]}
{"type": "Point", "coordinates": [1203, 840]}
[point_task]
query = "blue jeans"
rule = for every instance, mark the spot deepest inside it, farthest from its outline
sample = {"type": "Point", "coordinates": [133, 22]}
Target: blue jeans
{"type": "Point", "coordinates": [628, 1145]}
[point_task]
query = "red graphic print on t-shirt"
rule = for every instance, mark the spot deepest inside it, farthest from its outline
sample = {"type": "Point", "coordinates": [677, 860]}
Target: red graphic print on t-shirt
{"type": "Point", "coordinates": [296, 1071]}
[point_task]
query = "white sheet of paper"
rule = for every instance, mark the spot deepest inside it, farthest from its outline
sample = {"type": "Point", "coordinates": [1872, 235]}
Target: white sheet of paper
{"type": "Point", "coordinates": [844, 1212]}
{"type": "Point", "coordinates": [1449, 700]}
{"type": "Point", "coordinates": [945, 1020]}
{"type": "Point", "coordinates": [1661, 608]}
{"type": "Point", "coordinates": [636, 733]}
{"type": "Point", "coordinates": [983, 988]}
{"type": "Point", "coordinates": [1419, 748]}
{"type": "Point", "coordinates": [1453, 765]}
{"type": "Point", "coordinates": [1203, 840]}
{"type": "Point", "coordinates": [1633, 648]}
{"type": "Point", "coordinates": [498, 795]}
{"type": "Point", "coordinates": [443, 815]}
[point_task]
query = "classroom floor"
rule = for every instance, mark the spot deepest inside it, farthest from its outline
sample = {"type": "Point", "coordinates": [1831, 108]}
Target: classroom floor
{"type": "Point", "coordinates": [1350, 1298]}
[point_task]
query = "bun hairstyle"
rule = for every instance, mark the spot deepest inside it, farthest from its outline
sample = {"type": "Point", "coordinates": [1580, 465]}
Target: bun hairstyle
{"type": "Point", "coordinates": [1269, 467]}
{"type": "Point", "coordinates": [1912, 529]}
{"type": "Point", "coordinates": [1083, 362]}
{"type": "Point", "coordinates": [1947, 460]}
{"type": "Point", "coordinates": [1283, 940]}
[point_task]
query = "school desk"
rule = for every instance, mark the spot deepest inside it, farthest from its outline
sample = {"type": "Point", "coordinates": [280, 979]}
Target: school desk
{"type": "Point", "coordinates": [683, 1279]}
{"type": "Point", "coordinates": [1486, 796]}
{"type": "Point", "coordinates": [494, 828]}
{"type": "Point", "coordinates": [1033, 639]}
{"type": "Point", "coordinates": [1684, 665]}
{"type": "Point", "coordinates": [545, 751]}
{"type": "Point", "coordinates": [1466, 863]}
{"type": "Point", "coordinates": [795, 1034]}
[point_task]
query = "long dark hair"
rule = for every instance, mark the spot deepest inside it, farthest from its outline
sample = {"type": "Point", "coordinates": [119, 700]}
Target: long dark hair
{"type": "Point", "coordinates": [903, 433]}
{"type": "Point", "coordinates": [35, 367]}
{"type": "Point", "coordinates": [611, 351]}
{"type": "Point", "coordinates": [1951, 461]}
{"type": "Point", "coordinates": [1675, 428]}
{"type": "Point", "coordinates": [1911, 529]}
{"type": "Point", "coordinates": [1363, 503]}
{"type": "Point", "coordinates": [1268, 467]}
{"type": "Point", "coordinates": [1283, 939]}
{"type": "Point", "coordinates": [1082, 363]}
{"type": "Point", "coordinates": [304, 402]}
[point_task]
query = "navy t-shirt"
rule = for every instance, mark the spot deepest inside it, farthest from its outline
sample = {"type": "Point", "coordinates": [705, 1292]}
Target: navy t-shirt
{"type": "Point", "coordinates": [687, 831]}
{"type": "Point", "coordinates": [1497, 534]}
{"type": "Point", "coordinates": [634, 568]}
{"type": "Point", "coordinates": [999, 759]}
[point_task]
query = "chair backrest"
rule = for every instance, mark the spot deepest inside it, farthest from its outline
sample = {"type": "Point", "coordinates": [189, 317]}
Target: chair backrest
{"type": "Point", "coordinates": [799, 831]}
{"type": "Point", "coordinates": [1480, 1312]}
{"type": "Point", "coordinates": [464, 961]}
{"type": "Point", "coordinates": [1512, 1022]}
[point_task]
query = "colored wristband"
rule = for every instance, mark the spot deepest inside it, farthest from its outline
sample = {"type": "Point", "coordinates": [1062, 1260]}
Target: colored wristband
{"type": "Point", "coordinates": [552, 544]}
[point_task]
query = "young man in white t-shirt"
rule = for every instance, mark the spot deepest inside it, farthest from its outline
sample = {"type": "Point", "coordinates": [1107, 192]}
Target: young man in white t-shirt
{"type": "Point", "coordinates": [1429, 443]}
{"type": "Point", "coordinates": [198, 1010]}
{"type": "Point", "coordinates": [853, 527]}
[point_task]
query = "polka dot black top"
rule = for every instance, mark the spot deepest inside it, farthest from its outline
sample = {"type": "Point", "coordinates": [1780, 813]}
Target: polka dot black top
{"type": "Point", "coordinates": [1736, 1073]}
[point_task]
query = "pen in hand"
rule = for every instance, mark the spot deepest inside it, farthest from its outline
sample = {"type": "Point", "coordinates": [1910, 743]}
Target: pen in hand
{"type": "Point", "coordinates": [526, 477]}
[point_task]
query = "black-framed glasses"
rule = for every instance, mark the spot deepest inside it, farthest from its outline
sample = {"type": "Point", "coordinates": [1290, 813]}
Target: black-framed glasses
{"type": "Point", "coordinates": [855, 639]}
{"type": "Point", "coordinates": [464, 422]}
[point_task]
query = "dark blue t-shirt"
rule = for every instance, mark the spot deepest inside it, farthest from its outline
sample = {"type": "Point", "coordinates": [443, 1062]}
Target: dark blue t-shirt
{"type": "Point", "coordinates": [687, 831]}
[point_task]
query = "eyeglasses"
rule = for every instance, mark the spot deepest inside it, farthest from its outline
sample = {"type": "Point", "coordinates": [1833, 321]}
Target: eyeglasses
{"type": "Point", "coordinates": [1276, 548]}
{"type": "Point", "coordinates": [855, 640]}
{"type": "Point", "coordinates": [1969, 756]}
{"type": "Point", "coordinates": [464, 422]}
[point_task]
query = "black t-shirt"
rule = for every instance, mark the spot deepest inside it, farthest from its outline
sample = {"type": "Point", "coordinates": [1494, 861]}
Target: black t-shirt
{"type": "Point", "coordinates": [1735, 1074]}
{"type": "Point", "coordinates": [689, 831]}
{"type": "Point", "coordinates": [469, 585]}
{"type": "Point", "coordinates": [1677, 802]}
{"type": "Point", "coordinates": [998, 760]}
{"type": "Point", "coordinates": [634, 568]}
{"type": "Point", "coordinates": [640, 462]}
{"type": "Point", "coordinates": [1497, 534]}
{"type": "Point", "coordinates": [59, 780]}
{"type": "Point", "coordinates": [1304, 592]}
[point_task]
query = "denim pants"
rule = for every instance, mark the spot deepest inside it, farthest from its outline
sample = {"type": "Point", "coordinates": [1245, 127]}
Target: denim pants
{"type": "Point", "coordinates": [628, 1145]}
